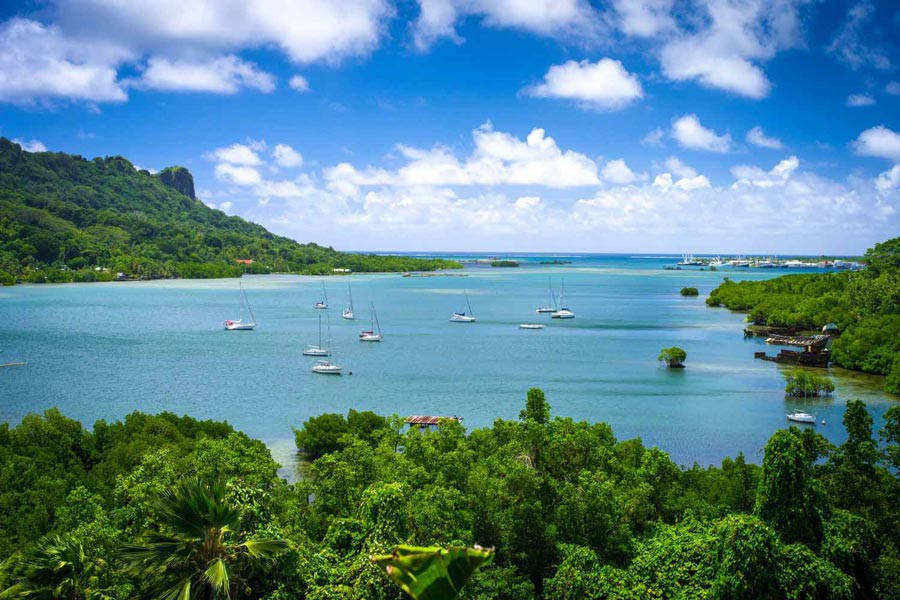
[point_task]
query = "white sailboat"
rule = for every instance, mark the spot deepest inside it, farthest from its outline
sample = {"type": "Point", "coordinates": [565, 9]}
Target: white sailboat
{"type": "Point", "coordinates": [563, 312]}
{"type": "Point", "coordinates": [325, 367]}
{"type": "Point", "coordinates": [318, 349]}
{"type": "Point", "coordinates": [374, 332]}
{"type": "Point", "coordinates": [348, 312]}
{"type": "Point", "coordinates": [530, 326]}
{"type": "Point", "coordinates": [323, 303]}
{"type": "Point", "coordinates": [801, 417]}
{"type": "Point", "coordinates": [461, 317]}
{"type": "Point", "coordinates": [551, 306]}
{"type": "Point", "coordinates": [240, 324]}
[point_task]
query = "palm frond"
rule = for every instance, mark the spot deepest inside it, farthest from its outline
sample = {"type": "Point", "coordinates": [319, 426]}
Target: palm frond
{"type": "Point", "coordinates": [216, 575]}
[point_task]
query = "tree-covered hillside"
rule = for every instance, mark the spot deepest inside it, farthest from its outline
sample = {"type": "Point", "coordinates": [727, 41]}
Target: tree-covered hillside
{"type": "Point", "coordinates": [865, 305]}
{"type": "Point", "coordinates": [65, 218]}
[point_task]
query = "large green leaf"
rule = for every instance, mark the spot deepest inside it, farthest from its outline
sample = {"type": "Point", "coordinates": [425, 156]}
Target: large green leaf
{"type": "Point", "coordinates": [432, 573]}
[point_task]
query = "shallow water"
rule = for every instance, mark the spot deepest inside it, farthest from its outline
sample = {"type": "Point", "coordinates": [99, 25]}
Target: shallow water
{"type": "Point", "coordinates": [104, 350]}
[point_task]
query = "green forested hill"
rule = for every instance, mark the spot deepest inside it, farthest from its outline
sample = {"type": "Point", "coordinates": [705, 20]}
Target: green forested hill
{"type": "Point", "coordinates": [66, 218]}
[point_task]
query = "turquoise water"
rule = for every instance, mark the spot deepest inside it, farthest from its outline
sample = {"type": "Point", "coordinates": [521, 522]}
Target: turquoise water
{"type": "Point", "coordinates": [104, 350]}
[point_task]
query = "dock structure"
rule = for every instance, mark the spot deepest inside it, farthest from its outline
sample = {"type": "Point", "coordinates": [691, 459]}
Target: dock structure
{"type": "Point", "coordinates": [424, 422]}
{"type": "Point", "coordinates": [811, 343]}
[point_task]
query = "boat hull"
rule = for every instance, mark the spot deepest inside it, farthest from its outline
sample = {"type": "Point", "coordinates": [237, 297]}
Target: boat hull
{"type": "Point", "coordinates": [531, 326]}
{"type": "Point", "coordinates": [238, 326]}
{"type": "Point", "coordinates": [316, 352]}
{"type": "Point", "coordinates": [369, 337]}
{"type": "Point", "coordinates": [545, 310]}
{"type": "Point", "coordinates": [462, 319]}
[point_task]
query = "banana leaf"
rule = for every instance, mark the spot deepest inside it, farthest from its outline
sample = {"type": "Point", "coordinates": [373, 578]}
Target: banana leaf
{"type": "Point", "coordinates": [432, 573]}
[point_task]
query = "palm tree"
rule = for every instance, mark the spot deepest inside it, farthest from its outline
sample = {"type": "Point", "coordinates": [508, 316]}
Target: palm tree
{"type": "Point", "coordinates": [58, 569]}
{"type": "Point", "coordinates": [195, 553]}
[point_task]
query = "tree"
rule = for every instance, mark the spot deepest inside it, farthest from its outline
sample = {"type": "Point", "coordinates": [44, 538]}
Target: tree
{"type": "Point", "coordinates": [673, 356]}
{"type": "Point", "coordinates": [788, 498]}
{"type": "Point", "coordinates": [194, 553]}
{"type": "Point", "coordinates": [689, 291]}
{"type": "Point", "coordinates": [536, 408]}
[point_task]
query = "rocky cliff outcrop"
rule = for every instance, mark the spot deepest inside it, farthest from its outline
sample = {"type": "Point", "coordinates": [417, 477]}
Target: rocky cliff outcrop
{"type": "Point", "coordinates": [180, 179]}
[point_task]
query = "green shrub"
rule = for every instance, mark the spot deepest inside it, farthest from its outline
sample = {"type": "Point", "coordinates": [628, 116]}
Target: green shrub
{"type": "Point", "coordinates": [674, 357]}
{"type": "Point", "coordinates": [689, 291]}
{"type": "Point", "coordinates": [802, 384]}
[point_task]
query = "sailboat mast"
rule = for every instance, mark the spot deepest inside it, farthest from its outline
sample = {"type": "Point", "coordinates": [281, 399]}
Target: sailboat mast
{"type": "Point", "coordinates": [247, 302]}
{"type": "Point", "coordinates": [350, 293]}
{"type": "Point", "coordinates": [469, 306]}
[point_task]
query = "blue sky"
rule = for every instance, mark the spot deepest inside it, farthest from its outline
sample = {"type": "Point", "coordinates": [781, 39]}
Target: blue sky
{"type": "Point", "coordinates": [528, 125]}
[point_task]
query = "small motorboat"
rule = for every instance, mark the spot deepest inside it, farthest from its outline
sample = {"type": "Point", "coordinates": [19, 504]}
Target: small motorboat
{"type": "Point", "coordinates": [531, 326]}
{"type": "Point", "coordinates": [324, 367]}
{"type": "Point", "coordinates": [801, 417]}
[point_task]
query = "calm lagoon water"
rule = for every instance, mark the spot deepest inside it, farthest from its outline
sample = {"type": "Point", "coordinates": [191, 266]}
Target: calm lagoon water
{"type": "Point", "coordinates": [103, 350]}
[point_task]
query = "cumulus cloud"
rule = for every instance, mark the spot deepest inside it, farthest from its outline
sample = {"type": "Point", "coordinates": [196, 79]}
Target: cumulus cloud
{"type": "Point", "coordinates": [239, 154]}
{"type": "Point", "coordinates": [30, 145]}
{"type": "Point", "coordinates": [617, 171]}
{"type": "Point", "coordinates": [286, 156]}
{"type": "Point", "coordinates": [758, 138]}
{"type": "Point", "coordinates": [690, 133]}
{"type": "Point", "coordinates": [438, 198]}
{"type": "Point", "coordinates": [571, 18]}
{"type": "Point", "coordinates": [79, 55]}
{"type": "Point", "coordinates": [726, 51]}
{"type": "Point", "coordinates": [754, 176]}
{"type": "Point", "coordinates": [604, 84]}
{"type": "Point", "coordinates": [860, 100]}
{"type": "Point", "coordinates": [644, 18]}
{"type": "Point", "coordinates": [498, 158]}
{"type": "Point", "coordinates": [878, 141]}
{"type": "Point", "coordinates": [237, 174]}
{"type": "Point", "coordinates": [39, 62]}
{"type": "Point", "coordinates": [299, 83]}
{"type": "Point", "coordinates": [223, 75]}
{"type": "Point", "coordinates": [889, 180]}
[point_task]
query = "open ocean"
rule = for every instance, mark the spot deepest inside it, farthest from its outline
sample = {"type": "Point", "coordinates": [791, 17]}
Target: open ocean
{"type": "Point", "coordinates": [102, 350]}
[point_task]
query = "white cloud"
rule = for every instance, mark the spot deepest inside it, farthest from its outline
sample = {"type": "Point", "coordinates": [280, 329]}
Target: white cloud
{"type": "Point", "coordinates": [848, 44]}
{"type": "Point", "coordinates": [860, 100]}
{"type": "Point", "coordinates": [299, 83]}
{"type": "Point", "coordinates": [286, 156]}
{"type": "Point", "coordinates": [777, 176]}
{"type": "Point", "coordinates": [38, 62]}
{"type": "Point", "coordinates": [498, 159]}
{"type": "Point", "coordinates": [222, 75]}
{"type": "Point", "coordinates": [690, 133]}
{"type": "Point", "coordinates": [679, 168]}
{"type": "Point", "coordinates": [735, 37]}
{"type": "Point", "coordinates": [239, 154]}
{"type": "Point", "coordinates": [617, 171]}
{"type": "Point", "coordinates": [654, 138]}
{"type": "Point", "coordinates": [305, 30]}
{"type": "Point", "coordinates": [570, 18]}
{"type": "Point", "coordinates": [644, 18]}
{"type": "Point", "coordinates": [30, 145]}
{"type": "Point", "coordinates": [437, 199]}
{"type": "Point", "coordinates": [878, 141]}
{"type": "Point", "coordinates": [237, 174]}
{"type": "Point", "coordinates": [757, 137]}
{"type": "Point", "coordinates": [604, 84]}
{"type": "Point", "coordinates": [79, 55]}
{"type": "Point", "coordinates": [889, 180]}
{"type": "Point", "coordinates": [893, 88]}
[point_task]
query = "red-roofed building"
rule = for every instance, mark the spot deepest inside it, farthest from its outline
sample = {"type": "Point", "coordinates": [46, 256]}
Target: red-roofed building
{"type": "Point", "coordinates": [244, 261]}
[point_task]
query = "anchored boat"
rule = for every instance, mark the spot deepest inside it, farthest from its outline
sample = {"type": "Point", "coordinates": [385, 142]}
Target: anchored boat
{"type": "Point", "coordinates": [461, 317]}
{"type": "Point", "coordinates": [240, 325]}
{"type": "Point", "coordinates": [318, 349]}
{"type": "Point", "coordinates": [348, 312]}
{"type": "Point", "coordinates": [801, 417]}
{"type": "Point", "coordinates": [374, 333]}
